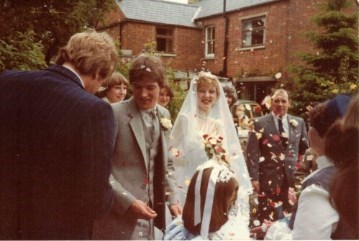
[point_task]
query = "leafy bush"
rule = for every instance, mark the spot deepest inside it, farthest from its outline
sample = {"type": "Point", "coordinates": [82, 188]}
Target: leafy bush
{"type": "Point", "coordinates": [21, 52]}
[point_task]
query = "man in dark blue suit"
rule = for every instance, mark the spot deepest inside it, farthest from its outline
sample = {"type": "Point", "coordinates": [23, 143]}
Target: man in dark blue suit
{"type": "Point", "coordinates": [56, 142]}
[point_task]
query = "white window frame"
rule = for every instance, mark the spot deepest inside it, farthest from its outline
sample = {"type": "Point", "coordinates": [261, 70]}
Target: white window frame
{"type": "Point", "coordinates": [253, 29]}
{"type": "Point", "coordinates": [210, 41]}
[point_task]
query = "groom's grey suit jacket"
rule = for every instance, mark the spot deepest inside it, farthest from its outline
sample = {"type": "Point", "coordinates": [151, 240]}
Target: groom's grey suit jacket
{"type": "Point", "coordinates": [130, 167]}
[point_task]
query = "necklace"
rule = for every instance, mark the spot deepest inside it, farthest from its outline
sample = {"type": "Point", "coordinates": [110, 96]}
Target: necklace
{"type": "Point", "coordinates": [203, 115]}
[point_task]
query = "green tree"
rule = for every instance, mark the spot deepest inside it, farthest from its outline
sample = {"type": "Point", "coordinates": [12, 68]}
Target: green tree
{"type": "Point", "coordinates": [51, 21]}
{"type": "Point", "coordinates": [21, 52]}
{"type": "Point", "coordinates": [333, 68]}
{"type": "Point", "coordinates": [179, 94]}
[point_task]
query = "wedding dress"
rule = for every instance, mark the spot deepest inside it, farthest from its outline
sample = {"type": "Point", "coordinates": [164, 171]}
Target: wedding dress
{"type": "Point", "coordinates": [186, 144]}
{"type": "Point", "coordinates": [234, 229]}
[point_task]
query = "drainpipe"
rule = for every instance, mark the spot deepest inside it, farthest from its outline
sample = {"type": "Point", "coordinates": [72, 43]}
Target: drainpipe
{"type": "Point", "coordinates": [225, 46]}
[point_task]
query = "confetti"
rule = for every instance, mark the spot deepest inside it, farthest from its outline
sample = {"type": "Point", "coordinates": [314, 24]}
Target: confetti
{"type": "Point", "coordinates": [276, 138]}
{"type": "Point", "coordinates": [281, 156]}
{"type": "Point", "coordinates": [310, 157]}
{"type": "Point", "coordinates": [256, 222]}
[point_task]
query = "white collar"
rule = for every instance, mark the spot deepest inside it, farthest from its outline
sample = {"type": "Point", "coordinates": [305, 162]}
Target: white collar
{"type": "Point", "coordinates": [71, 69]}
{"type": "Point", "coordinates": [154, 109]}
{"type": "Point", "coordinates": [322, 162]}
{"type": "Point", "coordinates": [284, 117]}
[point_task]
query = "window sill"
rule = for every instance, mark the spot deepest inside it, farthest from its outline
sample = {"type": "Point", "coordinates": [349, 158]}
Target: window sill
{"type": "Point", "coordinates": [209, 57]}
{"type": "Point", "coordinates": [165, 55]}
{"type": "Point", "coordinates": [250, 48]}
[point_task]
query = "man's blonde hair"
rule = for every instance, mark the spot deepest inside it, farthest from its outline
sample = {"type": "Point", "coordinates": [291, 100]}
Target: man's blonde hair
{"type": "Point", "coordinates": [91, 53]}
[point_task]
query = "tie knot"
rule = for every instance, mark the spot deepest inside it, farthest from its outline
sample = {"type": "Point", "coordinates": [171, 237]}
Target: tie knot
{"type": "Point", "coordinates": [153, 112]}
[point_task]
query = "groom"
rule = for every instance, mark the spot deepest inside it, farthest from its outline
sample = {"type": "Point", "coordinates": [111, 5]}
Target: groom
{"type": "Point", "coordinates": [142, 175]}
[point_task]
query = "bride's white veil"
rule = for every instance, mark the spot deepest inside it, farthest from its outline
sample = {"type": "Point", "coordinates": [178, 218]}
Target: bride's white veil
{"type": "Point", "coordinates": [187, 147]}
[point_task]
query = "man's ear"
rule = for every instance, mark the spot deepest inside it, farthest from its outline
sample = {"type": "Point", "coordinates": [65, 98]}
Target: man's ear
{"type": "Point", "coordinates": [98, 78]}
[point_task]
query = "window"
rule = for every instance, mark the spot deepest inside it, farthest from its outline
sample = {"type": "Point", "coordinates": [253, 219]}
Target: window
{"type": "Point", "coordinates": [253, 31]}
{"type": "Point", "coordinates": [164, 40]}
{"type": "Point", "coordinates": [210, 39]}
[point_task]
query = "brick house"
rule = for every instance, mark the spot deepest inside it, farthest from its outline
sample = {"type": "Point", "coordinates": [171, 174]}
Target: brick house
{"type": "Point", "coordinates": [245, 41]}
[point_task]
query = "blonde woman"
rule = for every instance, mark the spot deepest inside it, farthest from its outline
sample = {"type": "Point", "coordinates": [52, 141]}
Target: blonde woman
{"type": "Point", "coordinates": [205, 114]}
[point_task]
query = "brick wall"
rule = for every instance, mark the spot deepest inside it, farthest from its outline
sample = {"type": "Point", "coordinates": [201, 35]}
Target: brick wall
{"type": "Point", "coordinates": [286, 21]}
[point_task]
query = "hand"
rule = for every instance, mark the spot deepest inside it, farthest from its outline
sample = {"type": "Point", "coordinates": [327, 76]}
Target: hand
{"type": "Point", "coordinates": [141, 210]}
{"type": "Point", "coordinates": [256, 186]}
{"type": "Point", "coordinates": [260, 232]}
{"type": "Point", "coordinates": [175, 210]}
{"type": "Point", "coordinates": [292, 197]}
{"type": "Point", "coordinates": [309, 108]}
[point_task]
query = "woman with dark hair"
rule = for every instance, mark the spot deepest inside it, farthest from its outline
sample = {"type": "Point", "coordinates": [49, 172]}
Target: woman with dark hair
{"type": "Point", "coordinates": [207, 212]}
{"type": "Point", "coordinates": [342, 144]}
{"type": "Point", "coordinates": [231, 95]}
{"type": "Point", "coordinates": [166, 95]}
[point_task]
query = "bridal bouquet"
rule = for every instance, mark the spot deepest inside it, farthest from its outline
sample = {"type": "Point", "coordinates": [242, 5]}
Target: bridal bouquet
{"type": "Point", "coordinates": [214, 148]}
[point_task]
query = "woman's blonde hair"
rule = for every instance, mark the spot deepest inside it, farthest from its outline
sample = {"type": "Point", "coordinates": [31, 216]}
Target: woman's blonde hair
{"type": "Point", "coordinates": [91, 53]}
{"type": "Point", "coordinates": [208, 79]}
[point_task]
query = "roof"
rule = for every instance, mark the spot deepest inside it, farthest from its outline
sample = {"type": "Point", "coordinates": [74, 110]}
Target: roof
{"type": "Point", "coordinates": [160, 11]}
{"type": "Point", "coordinates": [214, 7]}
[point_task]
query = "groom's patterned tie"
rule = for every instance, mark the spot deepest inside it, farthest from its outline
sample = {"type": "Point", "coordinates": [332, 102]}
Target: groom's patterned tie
{"type": "Point", "coordinates": [154, 129]}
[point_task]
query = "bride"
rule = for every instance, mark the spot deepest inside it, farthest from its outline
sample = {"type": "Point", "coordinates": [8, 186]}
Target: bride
{"type": "Point", "coordinates": [205, 117]}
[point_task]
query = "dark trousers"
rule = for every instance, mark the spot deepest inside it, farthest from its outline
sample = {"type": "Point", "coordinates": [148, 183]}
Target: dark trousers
{"type": "Point", "coordinates": [272, 204]}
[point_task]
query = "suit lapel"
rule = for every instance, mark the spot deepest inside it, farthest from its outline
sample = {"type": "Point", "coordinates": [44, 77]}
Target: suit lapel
{"type": "Point", "coordinates": [137, 128]}
{"type": "Point", "coordinates": [271, 125]}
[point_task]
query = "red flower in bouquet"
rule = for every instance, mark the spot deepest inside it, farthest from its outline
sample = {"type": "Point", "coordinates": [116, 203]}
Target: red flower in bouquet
{"type": "Point", "coordinates": [214, 147]}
